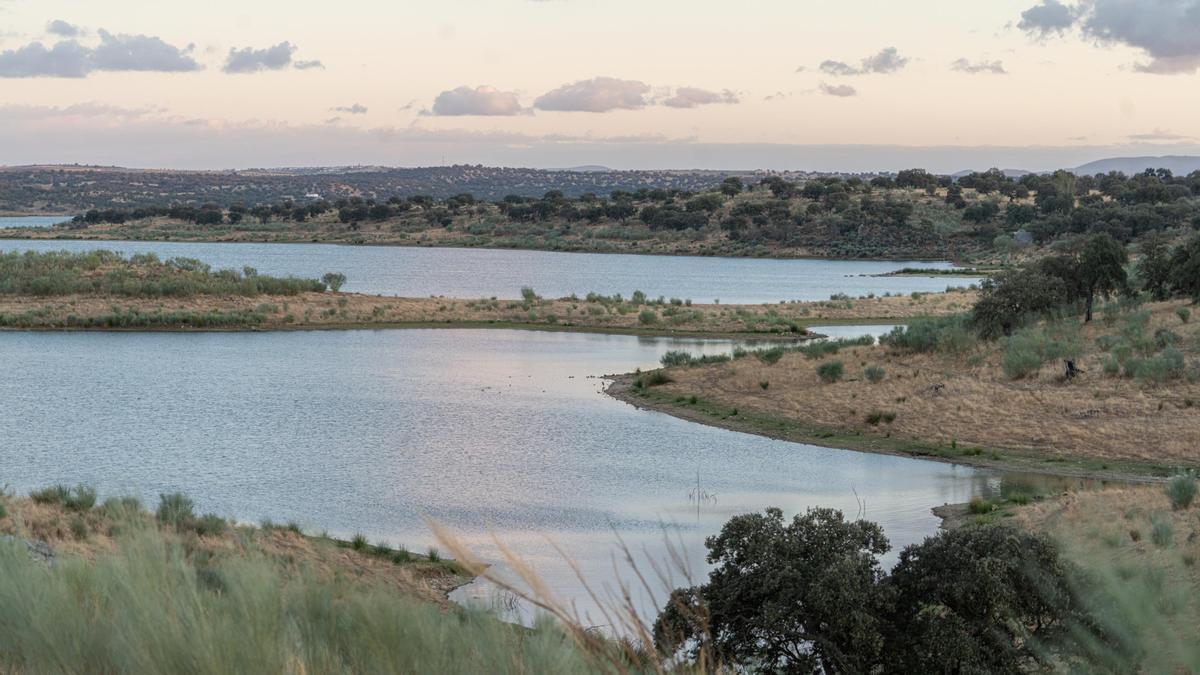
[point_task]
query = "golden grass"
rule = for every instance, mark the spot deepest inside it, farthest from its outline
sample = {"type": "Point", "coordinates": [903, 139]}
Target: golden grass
{"type": "Point", "coordinates": [317, 310]}
{"type": "Point", "coordinates": [1094, 416]}
{"type": "Point", "coordinates": [291, 551]}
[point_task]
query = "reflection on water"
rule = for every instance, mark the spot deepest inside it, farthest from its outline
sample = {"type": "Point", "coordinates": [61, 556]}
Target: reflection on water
{"type": "Point", "coordinates": [503, 432]}
{"type": "Point", "coordinates": [479, 273]}
{"type": "Point", "coordinates": [32, 221]}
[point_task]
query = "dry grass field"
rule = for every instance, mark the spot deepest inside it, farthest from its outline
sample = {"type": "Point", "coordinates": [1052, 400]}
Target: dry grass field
{"type": "Point", "coordinates": [965, 399]}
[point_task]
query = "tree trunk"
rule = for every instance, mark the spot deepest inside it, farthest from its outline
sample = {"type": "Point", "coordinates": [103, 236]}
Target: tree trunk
{"type": "Point", "coordinates": [1088, 316]}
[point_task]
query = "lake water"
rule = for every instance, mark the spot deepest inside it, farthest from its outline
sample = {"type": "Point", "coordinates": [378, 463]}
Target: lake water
{"type": "Point", "coordinates": [32, 221]}
{"type": "Point", "coordinates": [481, 273]}
{"type": "Point", "coordinates": [484, 431]}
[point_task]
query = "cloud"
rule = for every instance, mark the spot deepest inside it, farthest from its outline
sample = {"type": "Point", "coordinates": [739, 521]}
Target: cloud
{"type": "Point", "coordinates": [1047, 18]}
{"type": "Point", "coordinates": [691, 97]}
{"type": "Point", "coordinates": [482, 100]}
{"type": "Point", "coordinates": [838, 68]}
{"type": "Point", "coordinates": [887, 60]}
{"type": "Point", "coordinates": [965, 66]}
{"type": "Point", "coordinates": [115, 53]}
{"type": "Point", "coordinates": [141, 53]}
{"type": "Point", "coordinates": [65, 59]}
{"type": "Point", "coordinates": [599, 94]}
{"type": "Point", "coordinates": [839, 90]}
{"type": "Point", "coordinates": [63, 29]}
{"type": "Point", "coordinates": [1159, 135]}
{"type": "Point", "coordinates": [308, 65]}
{"type": "Point", "coordinates": [355, 109]}
{"type": "Point", "coordinates": [87, 110]}
{"type": "Point", "coordinates": [1166, 31]}
{"type": "Point", "coordinates": [251, 60]}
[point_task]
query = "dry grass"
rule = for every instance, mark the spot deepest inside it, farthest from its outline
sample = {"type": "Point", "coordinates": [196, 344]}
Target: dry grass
{"type": "Point", "coordinates": [316, 310]}
{"type": "Point", "coordinates": [1094, 416]}
{"type": "Point", "coordinates": [291, 551]}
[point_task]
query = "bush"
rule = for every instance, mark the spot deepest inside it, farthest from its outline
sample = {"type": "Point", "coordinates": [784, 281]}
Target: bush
{"type": "Point", "coordinates": [358, 543]}
{"type": "Point", "coordinates": [81, 498]}
{"type": "Point", "coordinates": [210, 524]}
{"type": "Point", "coordinates": [831, 371]}
{"type": "Point", "coordinates": [979, 506]}
{"type": "Point", "coordinates": [1167, 366]}
{"type": "Point", "coordinates": [1184, 314]}
{"type": "Point", "coordinates": [1162, 530]}
{"type": "Point", "coordinates": [1181, 490]}
{"type": "Point", "coordinates": [55, 494]}
{"type": "Point", "coordinates": [769, 356]}
{"type": "Point", "coordinates": [175, 509]}
{"type": "Point", "coordinates": [924, 335]}
{"type": "Point", "coordinates": [876, 416]}
{"type": "Point", "coordinates": [874, 373]}
{"type": "Point", "coordinates": [656, 378]}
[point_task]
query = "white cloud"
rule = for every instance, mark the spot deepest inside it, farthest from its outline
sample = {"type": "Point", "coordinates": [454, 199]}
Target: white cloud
{"type": "Point", "coordinates": [355, 109]}
{"type": "Point", "coordinates": [63, 29]}
{"type": "Point", "coordinates": [839, 90]}
{"type": "Point", "coordinates": [599, 94]}
{"type": "Point", "coordinates": [982, 66]}
{"type": "Point", "coordinates": [482, 100]}
{"type": "Point", "coordinates": [888, 60]}
{"type": "Point", "coordinates": [115, 52]}
{"type": "Point", "coordinates": [691, 97]}
{"type": "Point", "coordinates": [251, 60]}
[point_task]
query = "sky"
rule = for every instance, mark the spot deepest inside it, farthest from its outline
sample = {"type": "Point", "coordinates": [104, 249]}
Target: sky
{"type": "Point", "coordinates": [773, 84]}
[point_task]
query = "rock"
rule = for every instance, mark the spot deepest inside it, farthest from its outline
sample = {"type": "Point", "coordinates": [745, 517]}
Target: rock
{"type": "Point", "coordinates": [39, 551]}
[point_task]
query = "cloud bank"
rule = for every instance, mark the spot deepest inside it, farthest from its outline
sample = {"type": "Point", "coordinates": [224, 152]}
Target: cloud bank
{"type": "Point", "coordinates": [114, 53]}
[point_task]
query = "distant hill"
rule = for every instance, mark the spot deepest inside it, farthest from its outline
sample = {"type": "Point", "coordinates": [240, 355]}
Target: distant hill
{"type": "Point", "coordinates": [1180, 165]}
{"type": "Point", "coordinates": [587, 168]}
{"type": "Point", "coordinates": [1011, 173]}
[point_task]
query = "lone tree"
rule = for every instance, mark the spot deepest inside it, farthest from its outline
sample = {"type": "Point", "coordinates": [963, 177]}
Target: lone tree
{"type": "Point", "coordinates": [1009, 298]}
{"type": "Point", "coordinates": [334, 280]}
{"type": "Point", "coordinates": [1102, 269]}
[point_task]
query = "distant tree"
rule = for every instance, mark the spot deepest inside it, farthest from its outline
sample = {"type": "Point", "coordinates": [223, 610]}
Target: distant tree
{"type": "Point", "coordinates": [334, 280]}
{"type": "Point", "coordinates": [732, 186]}
{"type": "Point", "coordinates": [1154, 266]}
{"type": "Point", "coordinates": [1102, 269]}
{"type": "Point", "coordinates": [707, 202]}
{"type": "Point", "coordinates": [1185, 269]}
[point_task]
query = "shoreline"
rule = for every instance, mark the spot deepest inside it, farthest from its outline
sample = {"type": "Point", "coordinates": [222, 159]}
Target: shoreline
{"type": "Point", "coordinates": [709, 413]}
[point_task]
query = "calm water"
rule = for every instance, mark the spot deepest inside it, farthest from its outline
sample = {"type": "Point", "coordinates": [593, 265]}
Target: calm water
{"type": "Point", "coordinates": [501, 432]}
{"type": "Point", "coordinates": [480, 273]}
{"type": "Point", "coordinates": [32, 221]}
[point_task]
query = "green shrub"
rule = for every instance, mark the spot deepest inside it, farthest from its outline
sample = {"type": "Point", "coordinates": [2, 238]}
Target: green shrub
{"type": "Point", "coordinates": [924, 335]}
{"type": "Point", "coordinates": [175, 509]}
{"type": "Point", "coordinates": [1181, 490]}
{"type": "Point", "coordinates": [1020, 361]}
{"type": "Point", "coordinates": [1165, 367]}
{"type": "Point", "coordinates": [980, 506]}
{"type": "Point", "coordinates": [79, 528]}
{"type": "Point", "coordinates": [830, 371]}
{"type": "Point", "coordinates": [1184, 314]}
{"type": "Point", "coordinates": [434, 555]}
{"type": "Point", "coordinates": [81, 498]}
{"type": "Point", "coordinates": [1111, 366]}
{"type": "Point", "coordinates": [656, 378]}
{"type": "Point", "coordinates": [358, 543]}
{"type": "Point", "coordinates": [874, 373]}
{"type": "Point", "coordinates": [769, 356]}
{"type": "Point", "coordinates": [764, 385]}
{"type": "Point", "coordinates": [675, 358]}
{"type": "Point", "coordinates": [647, 317]}
{"type": "Point", "coordinates": [1162, 530]}
{"type": "Point", "coordinates": [55, 494]}
{"type": "Point", "coordinates": [1164, 337]}
{"type": "Point", "coordinates": [210, 524]}
{"type": "Point", "coordinates": [122, 507]}
{"type": "Point", "coordinates": [876, 416]}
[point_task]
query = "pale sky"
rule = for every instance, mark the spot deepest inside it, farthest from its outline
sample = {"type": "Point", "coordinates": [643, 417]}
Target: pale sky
{"type": "Point", "coordinates": [785, 84]}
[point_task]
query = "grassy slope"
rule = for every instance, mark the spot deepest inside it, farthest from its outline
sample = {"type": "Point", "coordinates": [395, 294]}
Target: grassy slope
{"type": "Point", "coordinates": [1098, 425]}
{"type": "Point", "coordinates": [127, 595]}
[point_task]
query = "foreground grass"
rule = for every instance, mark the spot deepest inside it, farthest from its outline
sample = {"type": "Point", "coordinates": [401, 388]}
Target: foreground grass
{"type": "Point", "coordinates": [129, 592]}
{"type": "Point", "coordinates": [1143, 554]}
{"type": "Point", "coordinates": [966, 403]}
